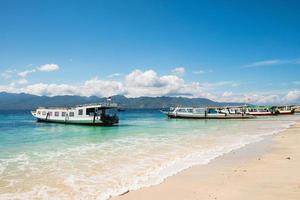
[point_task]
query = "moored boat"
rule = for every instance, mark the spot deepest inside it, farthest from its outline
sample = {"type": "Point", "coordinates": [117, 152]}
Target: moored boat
{"type": "Point", "coordinates": [285, 110]}
{"type": "Point", "coordinates": [260, 110]}
{"type": "Point", "coordinates": [296, 109]}
{"type": "Point", "coordinates": [204, 113]}
{"type": "Point", "coordinates": [88, 114]}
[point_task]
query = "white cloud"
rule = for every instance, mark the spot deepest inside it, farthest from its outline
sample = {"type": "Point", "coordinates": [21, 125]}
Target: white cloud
{"type": "Point", "coordinates": [263, 63]}
{"type": "Point", "coordinates": [272, 62]}
{"type": "Point", "coordinates": [48, 67]}
{"type": "Point", "coordinates": [221, 84]}
{"type": "Point", "coordinates": [115, 75]}
{"type": "Point", "coordinates": [42, 68]}
{"type": "Point", "coordinates": [137, 83]}
{"type": "Point", "coordinates": [6, 75]}
{"type": "Point", "coordinates": [26, 72]}
{"type": "Point", "coordinates": [179, 71]}
{"type": "Point", "coordinates": [22, 81]}
{"type": "Point", "coordinates": [149, 83]}
{"type": "Point", "coordinates": [137, 78]}
{"type": "Point", "coordinates": [93, 87]}
{"type": "Point", "coordinates": [269, 99]}
{"type": "Point", "coordinates": [227, 94]}
{"type": "Point", "coordinates": [293, 96]}
{"type": "Point", "coordinates": [263, 98]}
{"type": "Point", "coordinates": [199, 72]}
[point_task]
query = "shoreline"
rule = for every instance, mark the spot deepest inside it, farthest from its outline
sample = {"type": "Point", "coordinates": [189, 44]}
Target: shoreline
{"type": "Point", "coordinates": [267, 169]}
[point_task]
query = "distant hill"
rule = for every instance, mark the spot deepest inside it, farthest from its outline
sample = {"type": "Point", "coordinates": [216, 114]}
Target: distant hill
{"type": "Point", "coordinates": [22, 101]}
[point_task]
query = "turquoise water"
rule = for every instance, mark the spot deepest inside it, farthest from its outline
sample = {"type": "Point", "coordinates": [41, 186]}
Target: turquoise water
{"type": "Point", "coordinates": [56, 161]}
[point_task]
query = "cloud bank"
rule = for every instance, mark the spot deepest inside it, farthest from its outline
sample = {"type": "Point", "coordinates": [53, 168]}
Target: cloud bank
{"type": "Point", "coordinates": [149, 83]}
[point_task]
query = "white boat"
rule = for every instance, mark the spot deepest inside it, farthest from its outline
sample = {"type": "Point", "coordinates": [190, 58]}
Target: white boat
{"type": "Point", "coordinates": [88, 114]}
{"type": "Point", "coordinates": [204, 113]}
{"type": "Point", "coordinates": [296, 109]}
{"type": "Point", "coordinates": [233, 110]}
{"type": "Point", "coordinates": [260, 110]}
{"type": "Point", "coordinates": [285, 110]}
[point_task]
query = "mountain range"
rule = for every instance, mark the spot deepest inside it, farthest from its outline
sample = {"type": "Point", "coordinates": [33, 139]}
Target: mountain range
{"type": "Point", "coordinates": [22, 101]}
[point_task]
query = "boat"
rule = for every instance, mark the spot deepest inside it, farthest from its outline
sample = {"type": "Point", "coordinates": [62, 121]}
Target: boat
{"type": "Point", "coordinates": [97, 114]}
{"type": "Point", "coordinates": [296, 109]}
{"type": "Point", "coordinates": [260, 110]}
{"type": "Point", "coordinates": [204, 113]}
{"type": "Point", "coordinates": [285, 110]}
{"type": "Point", "coordinates": [233, 109]}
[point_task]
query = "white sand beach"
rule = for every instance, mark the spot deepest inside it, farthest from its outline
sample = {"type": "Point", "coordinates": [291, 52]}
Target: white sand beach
{"type": "Point", "coordinates": [265, 170]}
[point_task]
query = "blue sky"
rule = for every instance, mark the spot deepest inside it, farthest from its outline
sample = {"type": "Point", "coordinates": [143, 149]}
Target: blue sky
{"type": "Point", "coordinates": [223, 50]}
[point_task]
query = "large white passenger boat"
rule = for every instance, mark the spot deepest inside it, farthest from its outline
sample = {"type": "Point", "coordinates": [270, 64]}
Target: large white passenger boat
{"type": "Point", "coordinates": [89, 114]}
{"type": "Point", "coordinates": [206, 113]}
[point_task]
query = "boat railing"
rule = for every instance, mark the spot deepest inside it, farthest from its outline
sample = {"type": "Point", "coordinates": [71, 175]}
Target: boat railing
{"type": "Point", "coordinates": [105, 105]}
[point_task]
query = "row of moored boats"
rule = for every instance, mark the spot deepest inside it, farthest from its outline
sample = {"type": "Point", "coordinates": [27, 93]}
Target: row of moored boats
{"type": "Point", "coordinates": [229, 112]}
{"type": "Point", "coordinates": [106, 113]}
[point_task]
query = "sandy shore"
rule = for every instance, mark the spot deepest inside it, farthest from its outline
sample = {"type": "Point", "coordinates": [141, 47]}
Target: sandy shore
{"type": "Point", "coordinates": [266, 170]}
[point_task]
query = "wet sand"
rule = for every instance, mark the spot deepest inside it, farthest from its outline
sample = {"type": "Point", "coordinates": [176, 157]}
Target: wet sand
{"type": "Point", "coordinates": [265, 170]}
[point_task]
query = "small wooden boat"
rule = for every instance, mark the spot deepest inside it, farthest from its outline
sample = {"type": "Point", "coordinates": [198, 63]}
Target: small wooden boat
{"type": "Point", "coordinates": [89, 114]}
{"type": "Point", "coordinates": [204, 113]}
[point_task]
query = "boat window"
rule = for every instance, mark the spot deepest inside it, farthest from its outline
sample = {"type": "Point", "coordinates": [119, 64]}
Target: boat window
{"type": "Point", "coordinates": [44, 113]}
{"type": "Point", "coordinates": [50, 113]}
{"type": "Point", "coordinates": [71, 114]}
{"type": "Point", "coordinates": [56, 114]}
{"type": "Point", "coordinates": [80, 112]}
{"type": "Point", "coordinates": [212, 111]}
{"type": "Point", "coordinates": [39, 112]}
{"type": "Point", "coordinates": [199, 110]}
{"type": "Point", "coordinates": [63, 114]}
{"type": "Point", "coordinates": [181, 110]}
{"type": "Point", "coordinates": [189, 110]}
{"type": "Point", "coordinates": [90, 111]}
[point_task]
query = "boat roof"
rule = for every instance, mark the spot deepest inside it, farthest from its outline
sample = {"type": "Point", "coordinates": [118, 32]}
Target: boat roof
{"type": "Point", "coordinates": [253, 106]}
{"type": "Point", "coordinates": [92, 105]}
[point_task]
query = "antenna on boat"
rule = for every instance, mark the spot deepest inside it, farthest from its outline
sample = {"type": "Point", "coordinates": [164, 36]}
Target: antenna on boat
{"type": "Point", "coordinates": [109, 99]}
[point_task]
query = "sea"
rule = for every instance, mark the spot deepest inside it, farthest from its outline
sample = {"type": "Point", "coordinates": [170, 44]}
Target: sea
{"type": "Point", "coordinates": [57, 161]}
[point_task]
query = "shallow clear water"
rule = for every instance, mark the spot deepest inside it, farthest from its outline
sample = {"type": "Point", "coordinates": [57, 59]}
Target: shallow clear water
{"type": "Point", "coordinates": [56, 161]}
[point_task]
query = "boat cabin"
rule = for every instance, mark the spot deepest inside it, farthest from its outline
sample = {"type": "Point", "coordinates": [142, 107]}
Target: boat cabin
{"type": "Point", "coordinates": [82, 114]}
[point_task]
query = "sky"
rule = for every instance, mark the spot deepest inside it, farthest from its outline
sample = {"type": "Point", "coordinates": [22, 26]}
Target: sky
{"type": "Point", "coordinates": [242, 51]}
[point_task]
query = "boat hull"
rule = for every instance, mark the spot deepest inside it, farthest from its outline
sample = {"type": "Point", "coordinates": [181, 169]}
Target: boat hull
{"type": "Point", "coordinates": [210, 117]}
{"type": "Point", "coordinates": [289, 112]}
{"type": "Point", "coordinates": [76, 122]}
{"type": "Point", "coordinates": [261, 113]}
